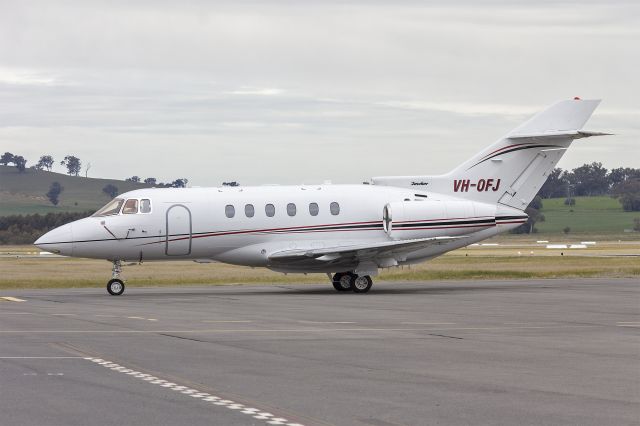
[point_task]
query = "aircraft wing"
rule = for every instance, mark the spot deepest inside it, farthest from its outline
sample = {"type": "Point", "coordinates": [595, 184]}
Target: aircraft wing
{"type": "Point", "coordinates": [365, 251]}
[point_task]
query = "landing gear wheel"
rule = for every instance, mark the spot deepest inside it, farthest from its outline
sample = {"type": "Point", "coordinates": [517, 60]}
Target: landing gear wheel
{"type": "Point", "coordinates": [342, 282]}
{"type": "Point", "coordinates": [362, 284]}
{"type": "Point", "coordinates": [115, 287]}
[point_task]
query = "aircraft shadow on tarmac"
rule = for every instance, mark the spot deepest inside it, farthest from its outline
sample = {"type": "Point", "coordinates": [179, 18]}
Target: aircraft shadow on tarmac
{"type": "Point", "coordinates": [295, 290]}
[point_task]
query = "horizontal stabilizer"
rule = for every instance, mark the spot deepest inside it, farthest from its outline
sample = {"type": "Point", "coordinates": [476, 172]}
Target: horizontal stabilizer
{"type": "Point", "coordinates": [573, 134]}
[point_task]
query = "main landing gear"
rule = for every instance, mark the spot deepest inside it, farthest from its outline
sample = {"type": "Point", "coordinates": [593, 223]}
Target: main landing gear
{"type": "Point", "coordinates": [115, 286]}
{"type": "Point", "coordinates": [345, 281]}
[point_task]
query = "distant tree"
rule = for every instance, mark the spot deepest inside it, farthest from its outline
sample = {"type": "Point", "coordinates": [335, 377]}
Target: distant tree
{"type": "Point", "coordinates": [133, 179]}
{"type": "Point", "coordinates": [45, 162]}
{"type": "Point", "coordinates": [54, 193]}
{"type": "Point", "coordinates": [619, 175]}
{"type": "Point", "coordinates": [566, 229]}
{"type": "Point", "coordinates": [6, 158]}
{"type": "Point", "coordinates": [86, 170]}
{"type": "Point", "coordinates": [73, 165]}
{"type": "Point", "coordinates": [628, 193]}
{"type": "Point", "coordinates": [556, 184]}
{"type": "Point", "coordinates": [20, 163]}
{"type": "Point", "coordinates": [180, 183]}
{"type": "Point", "coordinates": [590, 179]}
{"type": "Point", "coordinates": [150, 181]}
{"type": "Point", "coordinates": [233, 183]}
{"type": "Point", "coordinates": [636, 224]}
{"type": "Point", "coordinates": [111, 190]}
{"type": "Point", "coordinates": [25, 229]}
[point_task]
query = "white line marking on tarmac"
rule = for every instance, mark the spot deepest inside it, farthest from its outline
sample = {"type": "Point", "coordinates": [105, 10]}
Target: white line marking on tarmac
{"type": "Point", "coordinates": [11, 299]}
{"type": "Point", "coordinates": [628, 324]}
{"type": "Point", "coordinates": [41, 357]}
{"type": "Point", "coordinates": [195, 393]}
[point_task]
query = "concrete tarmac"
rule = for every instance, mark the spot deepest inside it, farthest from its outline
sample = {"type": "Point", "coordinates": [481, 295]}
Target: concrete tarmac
{"type": "Point", "coordinates": [528, 352]}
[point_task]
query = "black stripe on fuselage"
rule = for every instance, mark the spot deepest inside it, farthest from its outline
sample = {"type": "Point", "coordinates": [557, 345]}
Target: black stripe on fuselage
{"type": "Point", "coordinates": [443, 223]}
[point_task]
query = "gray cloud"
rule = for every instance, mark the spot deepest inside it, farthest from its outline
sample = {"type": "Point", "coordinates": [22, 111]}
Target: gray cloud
{"type": "Point", "coordinates": [286, 92]}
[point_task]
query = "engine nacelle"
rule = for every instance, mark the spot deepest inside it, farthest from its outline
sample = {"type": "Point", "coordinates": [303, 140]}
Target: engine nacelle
{"type": "Point", "coordinates": [420, 219]}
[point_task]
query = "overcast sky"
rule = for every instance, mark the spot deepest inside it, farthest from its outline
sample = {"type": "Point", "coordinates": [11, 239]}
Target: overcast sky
{"type": "Point", "coordinates": [290, 92]}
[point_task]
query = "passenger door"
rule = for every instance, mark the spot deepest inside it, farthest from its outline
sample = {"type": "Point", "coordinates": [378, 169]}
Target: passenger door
{"type": "Point", "coordinates": [179, 231]}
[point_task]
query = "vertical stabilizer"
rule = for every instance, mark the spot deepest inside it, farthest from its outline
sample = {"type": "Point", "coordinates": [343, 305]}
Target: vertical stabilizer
{"type": "Point", "coordinates": [512, 170]}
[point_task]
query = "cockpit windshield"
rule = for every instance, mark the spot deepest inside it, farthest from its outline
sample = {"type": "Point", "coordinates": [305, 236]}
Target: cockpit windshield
{"type": "Point", "coordinates": [113, 207]}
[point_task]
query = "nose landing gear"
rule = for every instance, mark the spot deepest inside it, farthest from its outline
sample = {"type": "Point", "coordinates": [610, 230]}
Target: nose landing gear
{"type": "Point", "coordinates": [345, 281]}
{"type": "Point", "coordinates": [115, 286]}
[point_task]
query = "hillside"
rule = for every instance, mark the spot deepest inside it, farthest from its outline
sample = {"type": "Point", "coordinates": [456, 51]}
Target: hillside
{"type": "Point", "coordinates": [23, 193]}
{"type": "Point", "coordinates": [596, 215]}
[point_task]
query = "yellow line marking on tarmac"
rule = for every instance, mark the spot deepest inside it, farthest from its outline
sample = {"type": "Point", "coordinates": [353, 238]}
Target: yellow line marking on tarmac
{"type": "Point", "coordinates": [11, 299]}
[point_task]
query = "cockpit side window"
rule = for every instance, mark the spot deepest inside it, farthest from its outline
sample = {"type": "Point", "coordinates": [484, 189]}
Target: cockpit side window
{"type": "Point", "coordinates": [145, 205]}
{"type": "Point", "coordinates": [112, 208]}
{"type": "Point", "coordinates": [130, 207]}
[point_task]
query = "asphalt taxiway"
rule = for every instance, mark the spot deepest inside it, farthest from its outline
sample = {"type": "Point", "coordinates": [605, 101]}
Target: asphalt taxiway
{"type": "Point", "coordinates": [455, 353]}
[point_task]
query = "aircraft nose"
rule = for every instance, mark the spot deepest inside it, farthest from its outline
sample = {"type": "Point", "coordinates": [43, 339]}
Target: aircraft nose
{"type": "Point", "coordinates": [58, 240]}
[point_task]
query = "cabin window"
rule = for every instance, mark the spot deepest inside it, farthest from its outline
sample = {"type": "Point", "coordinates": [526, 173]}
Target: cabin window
{"type": "Point", "coordinates": [130, 207]}
{"type": "Point", "coordinates": [249, 210]}
{"type": "Point", "coordinates": [291, 209]}
{"type": "Point", "coordinates": [313, 209]}
{"type": "Point", "coordinates": [270, 210]}
{"type": "Point", "coordinates": [145, 205]}
{"type": "Point", "coordinates": [229, 211]}
{"type": "Point", "coordinates": [334, 208]}
{"type": "Point", "coordinates": [113, 207]}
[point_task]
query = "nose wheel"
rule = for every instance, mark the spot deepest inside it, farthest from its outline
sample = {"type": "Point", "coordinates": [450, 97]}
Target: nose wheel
{"type": "Point", "coordinates": [115, 286]}
{"type": "Point", "coordinates": [345, 281]}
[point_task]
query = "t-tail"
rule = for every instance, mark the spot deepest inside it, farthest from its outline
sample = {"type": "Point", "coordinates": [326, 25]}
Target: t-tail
{"type": "Point", "coordinates": [512, 170]}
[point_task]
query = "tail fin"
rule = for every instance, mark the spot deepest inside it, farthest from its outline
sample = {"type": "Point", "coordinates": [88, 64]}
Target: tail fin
{"type": "Point", "coordinates": [512, 170]}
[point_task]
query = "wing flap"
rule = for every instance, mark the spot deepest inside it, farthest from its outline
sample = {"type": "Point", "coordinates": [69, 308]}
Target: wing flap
{"type": "Point", "coordinates": [361, 251]}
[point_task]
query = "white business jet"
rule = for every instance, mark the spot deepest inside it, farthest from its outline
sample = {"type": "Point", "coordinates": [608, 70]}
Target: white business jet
{"type": "Point", "coordinates": [348, 232]}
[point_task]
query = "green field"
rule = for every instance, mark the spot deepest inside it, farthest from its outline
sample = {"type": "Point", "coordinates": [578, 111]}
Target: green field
{"type": "Point", "coordinates": [593, 215]}
{"type": "Point", "coordinates": [24, 193]}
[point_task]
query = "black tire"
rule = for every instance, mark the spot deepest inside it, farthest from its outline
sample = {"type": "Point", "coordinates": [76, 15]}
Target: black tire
{"type": "Point", "coordinates": [361, 284]}
{"type": "Point", "coordinates": [342, 281]}
{"type": "Point", "coordinates": [115, 287]}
